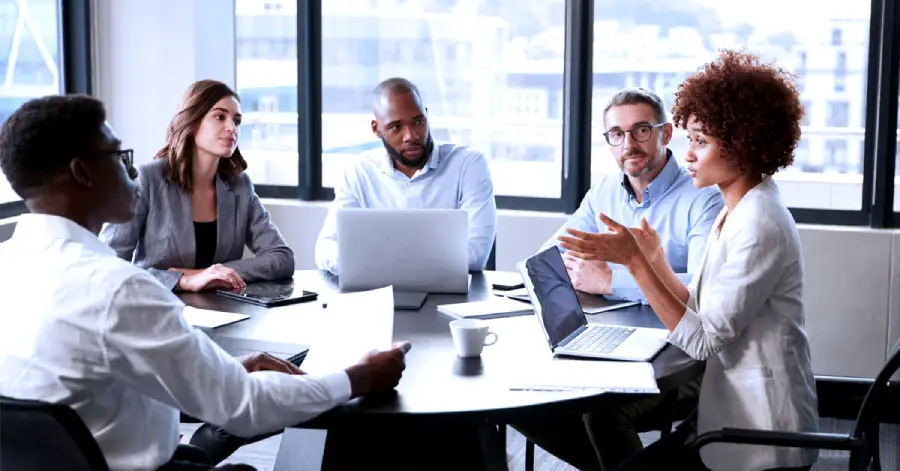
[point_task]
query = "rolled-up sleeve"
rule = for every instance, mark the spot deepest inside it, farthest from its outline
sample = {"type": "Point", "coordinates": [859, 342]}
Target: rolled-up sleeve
{"type": "Point", "coordinates": [735, 295]}
{"type": "Point", "coordinates": [148, 344]}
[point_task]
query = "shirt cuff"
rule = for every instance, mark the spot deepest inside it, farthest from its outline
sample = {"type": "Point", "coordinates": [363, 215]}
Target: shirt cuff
{"type": "Point", "coordinates": [684, 334]}
{"type": "Point", "coordinates": [338, 385]}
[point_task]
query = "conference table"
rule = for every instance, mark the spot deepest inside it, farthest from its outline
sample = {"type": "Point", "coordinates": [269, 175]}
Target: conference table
{"type": "Point", "coordinates": [439, 391]}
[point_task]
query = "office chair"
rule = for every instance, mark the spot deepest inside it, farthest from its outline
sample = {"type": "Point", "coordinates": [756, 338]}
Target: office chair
{"type": "Point", "coordinates": [862, 443]}
{"type": "Point", "coordinates": [37, 436]}
{"type": "Point", "coordinates": [492, 258]}
{"type": "Point", "coordinates": [678, 410]}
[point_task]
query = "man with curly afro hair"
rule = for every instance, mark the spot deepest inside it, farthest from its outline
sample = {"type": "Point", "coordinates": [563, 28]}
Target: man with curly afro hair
{"type": "Point", "coordinates": [743, 312]}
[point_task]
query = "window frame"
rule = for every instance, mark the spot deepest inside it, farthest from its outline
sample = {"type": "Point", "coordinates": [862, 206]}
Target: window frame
{"type": "Point", "coordinates": [876, 206]}
{"type": "Point", "coordinates": [74, 63]}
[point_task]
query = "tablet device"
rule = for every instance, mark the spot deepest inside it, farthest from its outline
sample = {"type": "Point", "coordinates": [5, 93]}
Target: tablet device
{"type": "Point", "coordinates": [270, 293]}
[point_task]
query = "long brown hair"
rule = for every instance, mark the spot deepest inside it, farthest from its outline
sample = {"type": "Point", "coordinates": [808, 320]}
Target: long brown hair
{"type": "Point", "coordinates": [178, 152]}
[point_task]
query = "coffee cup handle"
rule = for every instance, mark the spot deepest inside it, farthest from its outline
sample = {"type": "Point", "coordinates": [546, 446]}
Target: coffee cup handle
{"type": "Point", "coordinates": [493, 341]}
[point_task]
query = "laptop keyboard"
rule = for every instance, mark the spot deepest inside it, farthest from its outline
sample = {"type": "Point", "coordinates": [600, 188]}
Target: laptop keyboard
{"type": "Point", "coordinates": [600, 339]}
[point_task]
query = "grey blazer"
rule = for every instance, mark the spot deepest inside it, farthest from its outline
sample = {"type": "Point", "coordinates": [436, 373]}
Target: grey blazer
{"type": "Point", "coordinates": [161, 235]}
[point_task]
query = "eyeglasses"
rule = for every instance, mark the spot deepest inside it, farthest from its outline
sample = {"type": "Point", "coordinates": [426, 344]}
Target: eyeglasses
{"type": "Point", "coordinates": [127, 156]}
{"type": "Point", "coordinates": [640, 133]}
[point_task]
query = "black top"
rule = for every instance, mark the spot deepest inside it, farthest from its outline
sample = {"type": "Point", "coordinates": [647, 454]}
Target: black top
{"type": "Point", "coordinates": [206, 238]}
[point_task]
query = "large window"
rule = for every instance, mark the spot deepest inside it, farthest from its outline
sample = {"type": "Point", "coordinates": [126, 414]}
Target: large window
{"type": "Point", "coordinates": [29, 58]}
{"type": "Point", "coordinates": [490, 72]}
{"type": "Point", "coordinates": [511, 78]}
{"type": "Point", "coordinates": [266, 76]}
{"type": "Point", "coordinates": [656, 45]}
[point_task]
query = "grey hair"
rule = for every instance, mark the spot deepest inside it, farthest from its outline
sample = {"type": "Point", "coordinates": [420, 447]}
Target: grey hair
{"type": "Point", "coordinates": [638, 96]}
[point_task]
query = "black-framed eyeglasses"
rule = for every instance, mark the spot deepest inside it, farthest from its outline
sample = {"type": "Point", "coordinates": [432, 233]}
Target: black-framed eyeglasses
{"type": "Point", "coordinates": [640, 133]}
{"type": "Point", "coordinates": [127, 156]}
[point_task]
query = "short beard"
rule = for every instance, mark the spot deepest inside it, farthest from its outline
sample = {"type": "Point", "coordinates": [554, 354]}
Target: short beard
{"type": "Point", "coordinates": [399, 158]}
{"type": "Point", "coordinates": [652, 165]}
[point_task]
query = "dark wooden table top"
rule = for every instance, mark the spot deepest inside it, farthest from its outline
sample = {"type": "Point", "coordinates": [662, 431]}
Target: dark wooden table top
{"type": "Point", "coordinates": [436, 382]}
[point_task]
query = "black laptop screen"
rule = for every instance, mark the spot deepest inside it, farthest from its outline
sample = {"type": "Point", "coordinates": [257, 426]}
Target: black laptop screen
{"type": "Point", "coordinates": [556, 303]}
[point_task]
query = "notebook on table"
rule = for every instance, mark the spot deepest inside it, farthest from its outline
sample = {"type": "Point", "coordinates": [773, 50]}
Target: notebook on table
{"type": "Point", "coordinates": [488, 309]}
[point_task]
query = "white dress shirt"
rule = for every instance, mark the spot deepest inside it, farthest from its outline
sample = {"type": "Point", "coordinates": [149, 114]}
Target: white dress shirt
{"type": "Point", "coordinates": [84, 328]}
{"type": "Point", "coordinates": [745, 318]}
{"type": "Point", "coordinates": [455, 177]}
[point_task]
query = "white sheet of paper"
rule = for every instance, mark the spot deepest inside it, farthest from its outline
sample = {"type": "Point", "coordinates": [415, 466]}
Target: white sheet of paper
{"type": "Point", "coordinates": [587, 375]}
{"type": "Point", "coordinates": [353, 325]}
{"type": "Point", "coordinates": [208, 319]}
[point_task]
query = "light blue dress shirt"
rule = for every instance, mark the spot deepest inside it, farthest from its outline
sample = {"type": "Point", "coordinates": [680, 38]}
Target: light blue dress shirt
{"type": "Point", "coordinates": [455, 177]}
{"type": "Point", "coordinates": [681, 214]}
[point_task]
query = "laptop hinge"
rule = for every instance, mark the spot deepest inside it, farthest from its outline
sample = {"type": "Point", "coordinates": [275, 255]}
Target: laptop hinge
{"type": "Point", "coordinates": [572, 336]}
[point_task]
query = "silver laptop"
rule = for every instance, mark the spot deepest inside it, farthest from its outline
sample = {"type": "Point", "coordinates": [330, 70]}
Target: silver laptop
{"type": "Point", "coordinates": [563, 321]}
{"type": "Point", "coordinates": [415, 250]}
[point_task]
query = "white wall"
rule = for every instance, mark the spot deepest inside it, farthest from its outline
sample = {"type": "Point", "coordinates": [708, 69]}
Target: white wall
{"type": "Point", "coordinates": [853, 306]}
{"type": "Point", "coordinates": [142, 68]}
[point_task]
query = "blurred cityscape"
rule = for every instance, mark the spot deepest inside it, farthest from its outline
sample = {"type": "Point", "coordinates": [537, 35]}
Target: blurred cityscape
{"type": "Point", "coordinates": [492, 75]}
{"type": "Point", "coordinates": [491, 72]}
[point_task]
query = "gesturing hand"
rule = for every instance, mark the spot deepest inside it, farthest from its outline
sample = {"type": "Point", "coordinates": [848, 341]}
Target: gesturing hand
{"type": "Point", "coordinates": [617, 245]}
{"type": "Point", "coordinates": [648, 240]}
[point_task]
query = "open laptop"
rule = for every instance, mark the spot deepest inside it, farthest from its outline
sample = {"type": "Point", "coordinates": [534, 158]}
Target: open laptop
{"type": "Point", "coordinates": [565, 325]}
{"type": "Point", "coordinates": [413, 250]}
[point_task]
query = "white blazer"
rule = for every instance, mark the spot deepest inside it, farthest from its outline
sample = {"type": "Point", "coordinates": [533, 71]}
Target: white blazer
{"type": "Point", "coordinates": [745, 318]}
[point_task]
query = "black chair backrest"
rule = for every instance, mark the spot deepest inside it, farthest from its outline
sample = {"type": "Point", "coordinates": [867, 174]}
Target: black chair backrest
{"type": "Point", "coordinates": [874, 402]}
{"type": "Point", "coordinates": [36, 436]}
{"type": "Point", "coordinates": [492, 258]}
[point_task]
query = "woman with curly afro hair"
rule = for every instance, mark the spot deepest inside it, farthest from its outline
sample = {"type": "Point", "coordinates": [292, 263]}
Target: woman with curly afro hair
{"type": "Point", "coordinates": [743, 312]}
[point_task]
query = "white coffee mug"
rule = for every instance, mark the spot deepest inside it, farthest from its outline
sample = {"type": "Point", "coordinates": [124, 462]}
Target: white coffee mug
{"type": "Point", "coordinates": [470, 336]}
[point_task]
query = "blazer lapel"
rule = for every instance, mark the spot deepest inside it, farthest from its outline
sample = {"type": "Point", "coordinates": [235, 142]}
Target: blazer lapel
{"type": "Point", "coordinates": [712, 240]}
{"type": "Point", "coordinates": [183, 216]}
{"type": "Point", "coordinates": [226, 206]}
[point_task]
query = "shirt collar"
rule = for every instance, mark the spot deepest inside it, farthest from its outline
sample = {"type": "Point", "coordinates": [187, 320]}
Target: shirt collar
{"type": "Point", "coordinates": [660, 184]}
{"type": "Point", "coordinates": [37, 227]}
{"type": "Point", "coordinates": [434, 161]}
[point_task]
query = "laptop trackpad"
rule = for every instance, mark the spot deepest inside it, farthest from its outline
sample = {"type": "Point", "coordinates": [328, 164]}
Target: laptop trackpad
{"type": "Point", "coordinates": [407, 300]}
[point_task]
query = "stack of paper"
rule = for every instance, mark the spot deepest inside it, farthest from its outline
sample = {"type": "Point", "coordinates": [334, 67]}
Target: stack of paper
{"type": "Point", "coordinates": [584, 375]}
{"type": "Point", "coordinates": [488, 309]}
